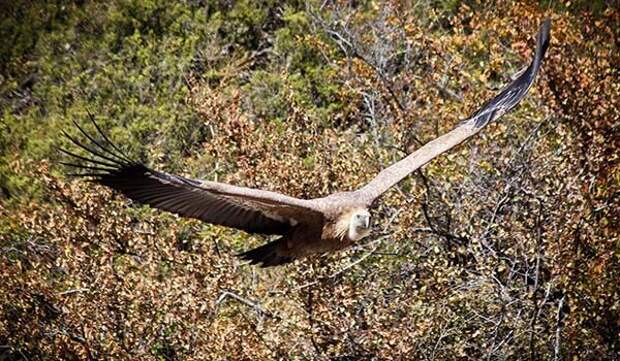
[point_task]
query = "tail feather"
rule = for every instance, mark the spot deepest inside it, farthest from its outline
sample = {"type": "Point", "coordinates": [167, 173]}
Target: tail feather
{"type": "Point", "coordinates": [267, 255]}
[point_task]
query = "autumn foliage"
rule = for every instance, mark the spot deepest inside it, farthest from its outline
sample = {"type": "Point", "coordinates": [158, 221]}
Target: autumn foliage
{"type": "Point", "coordinates": [505, 248]}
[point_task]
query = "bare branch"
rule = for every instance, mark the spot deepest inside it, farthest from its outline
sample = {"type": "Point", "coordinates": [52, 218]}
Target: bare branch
{"type": "Point", "coordinates": [72, 291]}
{"type": "Point", "coordinates": [558, 331]}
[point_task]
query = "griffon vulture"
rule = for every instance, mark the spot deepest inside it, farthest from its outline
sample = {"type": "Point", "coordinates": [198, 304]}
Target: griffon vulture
{"type": "Point", "coordinates": [305, 226]}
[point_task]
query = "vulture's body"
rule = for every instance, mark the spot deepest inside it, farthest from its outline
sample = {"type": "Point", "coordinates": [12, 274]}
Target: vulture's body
{"type": "Point", "coordinates": [304, 227]}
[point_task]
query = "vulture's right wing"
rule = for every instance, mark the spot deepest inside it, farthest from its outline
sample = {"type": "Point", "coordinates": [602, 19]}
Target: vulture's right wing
{"type": "Point", "coordinates": [247, 209]}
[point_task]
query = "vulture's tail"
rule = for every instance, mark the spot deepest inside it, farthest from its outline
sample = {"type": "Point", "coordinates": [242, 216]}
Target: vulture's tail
{"type": "Point", "coordinates": [267, 255]}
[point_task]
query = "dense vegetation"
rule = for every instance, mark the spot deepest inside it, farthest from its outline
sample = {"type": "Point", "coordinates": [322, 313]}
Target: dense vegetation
{"type": "Point", "coordinates": [505, 248]}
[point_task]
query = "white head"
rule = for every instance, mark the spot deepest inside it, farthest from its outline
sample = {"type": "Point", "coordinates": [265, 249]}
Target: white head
{"type": "Point", "coordinates": [359, 224]}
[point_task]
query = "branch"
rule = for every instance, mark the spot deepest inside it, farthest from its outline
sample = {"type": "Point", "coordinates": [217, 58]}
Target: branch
{"type": "Point", "coordinates": [558, 331]}
{"type": "Point", "coordinates": [376, 242]}
{"type": "Point", "coordinates": [255, 305]}
{"type": "Point", "coordinates": [74, 290]}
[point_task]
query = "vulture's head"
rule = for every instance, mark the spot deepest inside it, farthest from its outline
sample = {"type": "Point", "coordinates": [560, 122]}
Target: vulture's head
{"type": "Point", "coordinates": [359, 224]}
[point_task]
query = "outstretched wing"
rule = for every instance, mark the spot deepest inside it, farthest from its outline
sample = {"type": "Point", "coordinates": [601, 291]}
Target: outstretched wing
{"type": "Point", "coordinates": [247, 209]}
{"type": "Point", "coordinates": [507, 99]}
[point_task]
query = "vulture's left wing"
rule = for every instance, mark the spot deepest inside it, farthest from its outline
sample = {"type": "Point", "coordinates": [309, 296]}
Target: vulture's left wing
{"type": "Point", "coordinates": [247, 209]}
{"type": "Point", "coordinates": [507, 99]}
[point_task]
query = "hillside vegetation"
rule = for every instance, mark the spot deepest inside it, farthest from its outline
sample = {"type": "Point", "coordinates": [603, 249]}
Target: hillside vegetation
{"type": "Point", "coordinates": [505, 248]}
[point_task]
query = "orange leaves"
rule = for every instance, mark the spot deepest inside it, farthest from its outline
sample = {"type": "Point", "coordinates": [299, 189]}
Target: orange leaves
{"type": "Point", "coordinates": [471, 257]}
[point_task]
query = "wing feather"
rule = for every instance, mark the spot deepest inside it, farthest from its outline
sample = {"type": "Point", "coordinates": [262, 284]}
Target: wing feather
{"type": "Point", "coordinates": [506, 100]}
{"type": "Point", "coordinates": [247, 209]}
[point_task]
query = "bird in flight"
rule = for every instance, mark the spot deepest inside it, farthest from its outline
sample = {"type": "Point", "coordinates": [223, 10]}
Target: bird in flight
{"type": "Point", "coordinates": [305, 226]}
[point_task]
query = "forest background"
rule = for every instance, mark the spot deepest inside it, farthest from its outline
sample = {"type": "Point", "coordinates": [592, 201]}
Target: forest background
{"type": "Point", "coordinates": [505, 248]}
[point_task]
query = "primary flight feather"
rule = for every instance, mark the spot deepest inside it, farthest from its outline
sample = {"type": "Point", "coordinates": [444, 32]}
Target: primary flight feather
{"type": "Point", "coordinates": [305, 226]}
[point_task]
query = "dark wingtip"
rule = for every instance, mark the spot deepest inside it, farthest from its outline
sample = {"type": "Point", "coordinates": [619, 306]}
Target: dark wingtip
{"type": "Point", "coordinates": [512, 94]}
{"type": "Point", "coordinates": [545, 28]}
{"type": "Point", "coordinates": [543, 39]}
{"type": "Point", "coordinates": [103, 157]}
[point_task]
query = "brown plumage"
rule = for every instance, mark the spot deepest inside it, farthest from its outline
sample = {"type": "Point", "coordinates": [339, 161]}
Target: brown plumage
{"type": "Point", "coordinates": [305, 227]}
